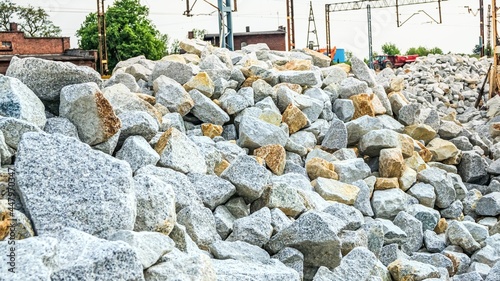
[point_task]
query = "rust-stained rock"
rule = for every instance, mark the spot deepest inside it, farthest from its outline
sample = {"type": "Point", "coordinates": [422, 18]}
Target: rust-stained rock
{"type": "Point", "coordinates": [424, 153]}
{"type": "Point", "coordinates": [442, 149]}
{"type": "Point", "coordinates": [211, 130]}
{"type": "Point", "coordinates": [274, 155]}
{"type": "Point", "coordinates": [110, 123]}
{"type": "Point", "coordinates": [362, 105]}
{"type": "Point", "coordinates": [249, 81]}
{"type": "Point", "coordinates": [407, 179]}
{"type": "Point", "coordinates": [147, 98]}
{"type": "Point", "coordinates": [202, 83]}
{"type": "Point", "coordinates": [441, 226]}
{"type": "Point", "coordinates": [180, 153]}
{"type": "Point", "coordinates": [406, 145]}
{"type": "Point", "coordinates": [294, 118]}
{"type": "Point", "coordinates": [345, 67]}
{"type": "Point", "coordinates": [416, 162]}
{"type": "Point", "coordinates": [455, 160]}
{"type": "Point", "coordinates": [162, 110]}
{"type": "Point", "coordinates": [5, 221]}
{"type": "Point", "coordinates": [294, 87]}
{"type": "Point", "coordinates": [92, 114]}
{"type": "Point", "coordinates": [174, 57]}
{"type": "Point", "coordinates": [391, 163]}
{"type": "Point", "coordinates": [22, 225]}
{"type": "Point", "coordinates": [420, 132]}
{"type": "Point", "coordinates": [297, 65]}
{"type": "Point", "coordinates": [333, 190]}
{"type": "Point", "coordinates": [386, 183]}
{"type": "Point", "coordinates": [221, 167]}
{"type": "Point", "coordinates": [319, 59]}
{"type": "Point", "coordinates": [378, 106]}
{"type": "Point", "coordinates": [318, 167]}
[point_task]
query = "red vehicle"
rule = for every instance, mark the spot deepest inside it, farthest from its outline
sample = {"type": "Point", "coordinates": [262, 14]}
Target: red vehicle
{"type": "Point", "coordinates": [384, 61]}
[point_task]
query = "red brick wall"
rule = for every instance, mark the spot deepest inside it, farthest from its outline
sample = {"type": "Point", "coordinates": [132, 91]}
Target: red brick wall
{"type": "Point", "coordinates": [275, 42]}
{"type": "Point", "coordinates": [33, 46]}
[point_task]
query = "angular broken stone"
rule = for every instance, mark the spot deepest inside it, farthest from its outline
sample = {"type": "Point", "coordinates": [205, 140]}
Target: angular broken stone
{"type": "Point", "coordinates": [177, 71]}
{"type": "Point", "coordinates": [318, 167]}
{"type": "Point", "coordinates": [148, 246]}
{"type": "Point", "coordinates": [275, 157]}
{"type": "Point", "coordinates": [336, 136]}
{"type": "Point", "coordinates": [46, 78]}
{"type": "Point", "coordinates": [314, 234]}
{"type": "Point", "coordinates": [137, 123]}
{"type": "Point", "coordinates": [206, 110]}
{"type": "Point", "coordinates": [188, 266]}
{"type": "Point", "coordinates": [155, 205]}
{"type": "Point", "coordinates": [70, 201]}
{"type": "Point", "coordinates": [200, 225]}
{"type": "Point", "coordinates": [178, 152]}
{"type": "Point", "coordinates": [255, 133]}
{"type": "Point", "coordinates": [336, 191]}
{"type": "Point", "coordinates": [376, 140]}
{"type": "Point", "coordinates": [249, 177]}
{"type": "Point", "coordinates": [489, 205]}
{"type": "Point", "coordinates": [294, 118]}
{"type": "Point", "coordinates": [86, 107]}
{"type": "Point", "coordinates": [19, 101]}
{"type": "Point", "coordinates": [212, 190]}
{"type": "Point", "coordinates": [255, 229]}
{"type": "Point", "coordinates": [403, 269]}
{"type": "Point", "coordinates": [230, 269]}
{"type": "Point", "coordinates": [171, 94]}
{"type": "Point", "coordinates": [201, 82]}
{"type": "Point", "coordinates": [12, 131]}
{"type": "Point", "coordinates": [388, 203]}
{"type": "Point", "coordinates": [391, 163]}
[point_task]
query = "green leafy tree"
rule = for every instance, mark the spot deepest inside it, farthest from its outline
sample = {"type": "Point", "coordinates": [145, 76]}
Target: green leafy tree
{"type": "Point", "coordinates": [199, 33]}
{"type": "Point", "coordinates": [129, 33]}
{"type": "Point", "coordinates": [175, 47]}
{"type": "Point", "coordinates": [35, 22]}
{"type": "Point", "coordinates": [436, 51]}
{"type": "Point", "coordinates": [390, 49]}
{"type": "Point", "coordinates": [7, 12]}
{"type": "Point", "coordinates": [423, 51]}
{"type": "Point", "coordinates": [476, 50]}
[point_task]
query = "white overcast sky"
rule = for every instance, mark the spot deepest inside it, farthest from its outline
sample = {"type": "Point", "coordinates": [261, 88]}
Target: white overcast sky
{"type": "Point", "coordinates": [458, 33]}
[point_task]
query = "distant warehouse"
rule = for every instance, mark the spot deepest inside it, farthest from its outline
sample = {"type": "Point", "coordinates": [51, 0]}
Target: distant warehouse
{"type": "Point", "coordinates": [15, 43]}
{"type": "Point", "coordinates": [276, 40]}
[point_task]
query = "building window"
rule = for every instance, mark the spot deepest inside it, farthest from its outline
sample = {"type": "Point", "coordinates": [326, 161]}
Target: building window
{"type": "Point", "coordinates": [6, 46]}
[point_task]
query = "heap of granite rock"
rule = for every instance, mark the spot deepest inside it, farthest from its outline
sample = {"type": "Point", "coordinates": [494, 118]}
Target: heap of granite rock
{"type": "Point", "coordinates": [249, 165]}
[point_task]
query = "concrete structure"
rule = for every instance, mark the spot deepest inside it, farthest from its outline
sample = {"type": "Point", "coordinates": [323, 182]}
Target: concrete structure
{"type": "Point", "coordinates": [276, 40]}
{"type": "Point", "coordinates": [15, 43]}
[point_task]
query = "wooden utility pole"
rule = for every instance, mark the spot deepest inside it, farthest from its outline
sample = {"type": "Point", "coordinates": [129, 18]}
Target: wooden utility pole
{"type": "Point", "coordinates": [290, 24]}
{"type": "Point", "coordinates": [481, 26]}
{"type": "Point", "coordinates": [496, 51]}
{"type": "Point", "coordinates": [101, 29]}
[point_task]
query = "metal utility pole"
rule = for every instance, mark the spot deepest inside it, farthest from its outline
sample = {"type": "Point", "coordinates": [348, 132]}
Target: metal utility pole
{"type": "Point", "coordinates": [311, 44]}
{"type": "Point", "coordinates": [103, 48]}
{"type": "Point", "coordinates": [226, 24]}
{"type": "Point", "coordinates": [370, 50]}
{"type": "Point", "coordinates": [290, 24]}
{"type": "Point", "coordinates": [362, 4]}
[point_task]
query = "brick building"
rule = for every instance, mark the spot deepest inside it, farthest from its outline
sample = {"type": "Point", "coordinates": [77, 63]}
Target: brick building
{"type": "Point", "coordinates": [276, 40]}
{"type": "Point", "coordinates": [15, 43]}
